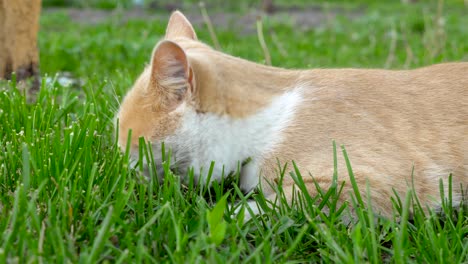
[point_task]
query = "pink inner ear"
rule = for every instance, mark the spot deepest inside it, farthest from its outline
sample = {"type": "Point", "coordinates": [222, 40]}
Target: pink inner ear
{"type": "Point", "coordinates": [169, 61]}
{"type": "Point", "coordinates": [170, 73]}
{"type": "Point", "coordinates": [179, 26]}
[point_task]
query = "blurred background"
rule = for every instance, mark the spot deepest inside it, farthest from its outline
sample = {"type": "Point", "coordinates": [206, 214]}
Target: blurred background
{"type": "Point", "coordinates": [107, 43]}
{"type": "Point", "coordinates": [334, 33]}
{"type": "Point", "coordinates": [268, 5]}
{"type": "Point", "coordinates": [171, 4]}
{"type": "Point", "coordinates": [99, 47]}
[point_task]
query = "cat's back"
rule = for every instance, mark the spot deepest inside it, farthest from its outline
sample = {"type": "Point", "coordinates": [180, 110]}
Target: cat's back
{"type": "Point", "coordinates": [389, 119]}
{"type": "Point", "coordinates": [437, 93]}
{"type": "Point", "coordinates": [438, 78]}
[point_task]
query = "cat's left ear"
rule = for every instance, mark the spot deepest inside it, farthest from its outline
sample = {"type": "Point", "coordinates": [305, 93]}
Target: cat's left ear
{"type": "Point", "coordinates": [179, 26]}
{"type": "Point", "coordinates": [172, 77]}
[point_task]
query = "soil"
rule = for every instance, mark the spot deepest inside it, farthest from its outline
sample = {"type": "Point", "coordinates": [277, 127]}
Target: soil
{"type": "Point", "coordinates": [303, 18]}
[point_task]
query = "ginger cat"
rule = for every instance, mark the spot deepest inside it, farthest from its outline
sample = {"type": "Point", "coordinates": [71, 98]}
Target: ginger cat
{"type": "Point", "coordinates": [208, 106]}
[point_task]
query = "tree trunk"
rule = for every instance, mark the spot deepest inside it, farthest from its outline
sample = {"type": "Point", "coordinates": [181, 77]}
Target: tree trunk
{"type": "Point", "coordinates": [19, 24]}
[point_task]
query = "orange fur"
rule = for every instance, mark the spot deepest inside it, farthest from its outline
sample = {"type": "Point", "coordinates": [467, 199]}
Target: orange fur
{"type": "Point", "coordinates": [389, 121]}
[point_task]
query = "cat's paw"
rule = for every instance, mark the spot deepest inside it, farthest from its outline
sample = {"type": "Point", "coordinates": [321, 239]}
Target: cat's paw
{"type": "Point", "coordinates": [250, 209]}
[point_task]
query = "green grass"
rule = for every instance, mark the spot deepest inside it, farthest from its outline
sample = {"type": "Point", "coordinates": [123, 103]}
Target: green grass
{"type": "Point", "coordinates": [215, 4]}
{"type": "Point", "coordinates": [67, 194]}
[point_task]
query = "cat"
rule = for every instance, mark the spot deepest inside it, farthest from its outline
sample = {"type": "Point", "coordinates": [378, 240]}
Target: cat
{"type": "Point", "coordinates": [399, 127]}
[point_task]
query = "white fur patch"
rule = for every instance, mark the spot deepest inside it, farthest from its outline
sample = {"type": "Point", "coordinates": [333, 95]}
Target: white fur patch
{"type": "Point", "coordinates": [203, 138]}
{"type": "Point", "coordinates": [249, 176]}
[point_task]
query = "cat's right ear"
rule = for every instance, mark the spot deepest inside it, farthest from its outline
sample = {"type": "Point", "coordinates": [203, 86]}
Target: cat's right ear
{"type": "Point", "coordinates": [171, 75]}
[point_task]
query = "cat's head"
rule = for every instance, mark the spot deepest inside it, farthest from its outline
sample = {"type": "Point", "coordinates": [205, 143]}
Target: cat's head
{"type": "Point", "coordinates": [156, 103]}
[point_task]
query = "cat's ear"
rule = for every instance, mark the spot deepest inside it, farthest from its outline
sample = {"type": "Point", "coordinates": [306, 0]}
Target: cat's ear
{"type": "Point", "coordinates": [171, 75]}
{"type": "Point", "coordinates": [179, 26]}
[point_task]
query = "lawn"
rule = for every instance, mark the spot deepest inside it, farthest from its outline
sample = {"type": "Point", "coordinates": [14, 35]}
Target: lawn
{"type": "Point", "coordinates": [68, 195]}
